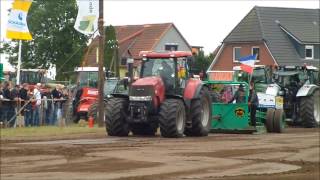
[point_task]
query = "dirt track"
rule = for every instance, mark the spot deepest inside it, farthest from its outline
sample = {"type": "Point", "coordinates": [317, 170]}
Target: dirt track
{"type": "Point", "coordinates": [291, 155]}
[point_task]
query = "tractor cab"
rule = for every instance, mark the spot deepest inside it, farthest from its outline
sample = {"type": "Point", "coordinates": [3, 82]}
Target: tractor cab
{"type": "Point", "coordinates": [171, 68]}
{"type": "Point", "coordinates": [311, 74]}
{"type": "Point", "coordinates": [87, 76]}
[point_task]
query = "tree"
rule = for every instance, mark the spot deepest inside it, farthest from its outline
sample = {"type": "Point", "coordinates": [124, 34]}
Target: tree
{"type": "Point", "coordinates": [202, 61]}
{"type": "Point", "coordinates": [111, 49]}
{"type": "Point", "coordinates": [55, 41]}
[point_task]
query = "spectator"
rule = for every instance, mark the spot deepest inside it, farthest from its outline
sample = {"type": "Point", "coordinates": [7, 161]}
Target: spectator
{"type": "Point", "coordinates": [16, 96]}
{"type": "Point", "coordinates": [253, 104]}
{"type": "Point", "coordinates": [60, 102]}
{"type": "Point", "coordinates": [28, 111]}
{"type": "Point", "coordinates": [23, 93]}
{"type": "Point", "coordinates": [36, 111]}
{"type": "Point", "coordinates": [48, 108]}
{"type": "Point", "coordinates": [226, 94]}
{"type": "Point", "coordinates": [8, 104]}
{"type": "Point", "coordinates": [56, 95]}
{"type": "Point", "coordinates": [239, 96]}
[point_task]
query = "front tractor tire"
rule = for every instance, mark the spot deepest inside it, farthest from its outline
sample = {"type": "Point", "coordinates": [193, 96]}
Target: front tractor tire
{"type": "Point", "coordinates": [116, 112]}
{"type": "Point", "coordinates": [200, 115]}
{"type": "Point", "coordinates": [172, 118]}
{"type": "Point", "coordinates": [309, 110]}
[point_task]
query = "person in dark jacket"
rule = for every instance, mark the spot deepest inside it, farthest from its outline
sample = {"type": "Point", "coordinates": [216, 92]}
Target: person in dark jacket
{"type": "Point", "coordinates": [239, 96]}
{"type": "Point", "coordinates": [23, 94]}
{"type": "Point", "coordinates": [28, 111]}
{"type": "Point", "coordinates": [8, 104]}
{"type": "Point", "coordinates": [253, 104]}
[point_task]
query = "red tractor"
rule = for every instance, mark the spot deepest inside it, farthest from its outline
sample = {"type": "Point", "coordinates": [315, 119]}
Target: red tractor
{"type": "Point", "coordinates": [165, 95]}
{"type": "Point", "coordinates": [85, 94]}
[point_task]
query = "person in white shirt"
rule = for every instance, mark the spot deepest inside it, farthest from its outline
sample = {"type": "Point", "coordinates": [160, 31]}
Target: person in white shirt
{"type": "Point", "coordinates": [36, 112]}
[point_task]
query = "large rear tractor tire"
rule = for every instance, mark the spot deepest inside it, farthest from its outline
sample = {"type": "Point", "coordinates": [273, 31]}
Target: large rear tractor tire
{"type": "Point", "coordinates": [278, 121]}
{"type": "Point", "coordinates": [269, 120]}
{"type": "Point", "coordinates": [143, 129]}
{"type": "Point", "coordinates": [172, 118]}
{"type": "Point", "coordinates": [200, 115]}
{"type": "Point", "coordinates": [309, 110]}
{"type": "Point", "coordinates": [116, 112]}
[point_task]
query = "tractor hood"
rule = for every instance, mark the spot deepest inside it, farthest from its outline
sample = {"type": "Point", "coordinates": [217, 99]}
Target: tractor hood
{"type": "Point", "coordinates": [148, 86]}
{"type": "Point", "coordinates": [148, 81]}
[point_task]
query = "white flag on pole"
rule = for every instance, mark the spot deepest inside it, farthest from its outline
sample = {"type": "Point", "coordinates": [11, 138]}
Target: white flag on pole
{"type": "Point", "coordinates": [88, 14]}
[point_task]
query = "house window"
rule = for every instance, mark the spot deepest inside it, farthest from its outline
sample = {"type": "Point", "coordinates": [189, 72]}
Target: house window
{"type": "Point", "coordinates": [309, 52]}
{"type": "Point", "coordinates": [256, 50]}
{"type": "Point", "coordinates": [171, 47]}
{"type": "Point", "coordinates": [236, 54]}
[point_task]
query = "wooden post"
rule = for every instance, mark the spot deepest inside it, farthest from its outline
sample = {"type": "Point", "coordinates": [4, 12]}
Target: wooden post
{"type": "Point", "coordinates": [101, 64]}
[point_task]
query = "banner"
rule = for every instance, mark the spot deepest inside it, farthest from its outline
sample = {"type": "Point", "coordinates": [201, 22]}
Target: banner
{"type": "Point", "coordinates": [17, 24]}
{"type": "Point", "coordinates": [88, 14]}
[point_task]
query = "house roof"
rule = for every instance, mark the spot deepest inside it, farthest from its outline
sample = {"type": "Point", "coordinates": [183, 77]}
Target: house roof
{"type": "Point", "coordinates": [274, 25]}
{"type": "Point", "coordinates": [135, 38]}
{"type": "Point", "coordinates": [138, 38]}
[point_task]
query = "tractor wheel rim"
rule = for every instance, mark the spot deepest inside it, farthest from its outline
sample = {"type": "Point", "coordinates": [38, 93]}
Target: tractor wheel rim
{"type": "Point", "coordinates": [316, 107]}
{"type": "Point", "coordinates": [179, 121]}
{"type": "Point", "coordinates": [205, 113]}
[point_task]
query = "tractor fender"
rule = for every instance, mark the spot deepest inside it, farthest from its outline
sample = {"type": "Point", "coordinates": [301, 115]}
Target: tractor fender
{"type": "Point", "coordinates": [307, 90]}
{"type": "Point", "coordinates": [192, 89]}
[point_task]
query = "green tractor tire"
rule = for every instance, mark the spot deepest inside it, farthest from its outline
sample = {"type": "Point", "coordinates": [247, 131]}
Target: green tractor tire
{"type": "Point", "coordinates": [310, 110]}
{"type": "Point", "coordinates": [278, 121]}
{"type": "Point", "coordinates": [269, 119]}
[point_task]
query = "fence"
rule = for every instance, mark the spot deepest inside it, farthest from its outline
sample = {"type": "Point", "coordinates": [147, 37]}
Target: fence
{"type": "Point", "coordinates": [45, 111]}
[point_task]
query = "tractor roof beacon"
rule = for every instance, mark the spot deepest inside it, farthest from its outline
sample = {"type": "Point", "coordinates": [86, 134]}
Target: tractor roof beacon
{"type": "Point", "coordinates": [166, 95]}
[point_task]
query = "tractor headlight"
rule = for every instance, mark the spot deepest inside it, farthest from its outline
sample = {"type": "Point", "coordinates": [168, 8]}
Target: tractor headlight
{"type": "Point", "coordinates": [140, 98]}
{"type": "Point", "coordinates": [281, 93]}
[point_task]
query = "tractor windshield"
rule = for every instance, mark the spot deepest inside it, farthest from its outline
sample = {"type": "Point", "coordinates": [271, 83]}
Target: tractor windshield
{"type": "Point", "coordinates": [259, 75]}
{"type": "Point", "coordinates": [88, 79]}
{"type": "Point", "coordinates": [158, 67]}
{"type": "Point", "coordinates": [110, 85]}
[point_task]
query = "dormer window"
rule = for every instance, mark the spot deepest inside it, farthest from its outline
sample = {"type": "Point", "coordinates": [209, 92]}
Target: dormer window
{"type": "Point", "coordinates": [171, 47]}
{"type": "Point", "coordinates": [309, 52]}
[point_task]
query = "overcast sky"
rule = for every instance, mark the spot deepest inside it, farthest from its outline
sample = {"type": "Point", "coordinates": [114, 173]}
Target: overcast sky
{"type": "Point", "coordinates": [202, 23]}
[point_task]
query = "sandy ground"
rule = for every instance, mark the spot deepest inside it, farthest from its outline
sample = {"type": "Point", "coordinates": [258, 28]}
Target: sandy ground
{"type": "Point", "coordinates": [292, 155]}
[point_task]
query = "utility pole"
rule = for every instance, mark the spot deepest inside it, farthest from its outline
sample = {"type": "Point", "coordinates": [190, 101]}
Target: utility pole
{"type": "Point", "coordinates": [101, 64]}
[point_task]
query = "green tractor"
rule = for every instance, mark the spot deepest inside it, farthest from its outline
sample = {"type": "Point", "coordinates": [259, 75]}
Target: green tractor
{"type": "Point", "coordinates": [299, 87]}
{"type": "Point", "coordinates": [235, 117]}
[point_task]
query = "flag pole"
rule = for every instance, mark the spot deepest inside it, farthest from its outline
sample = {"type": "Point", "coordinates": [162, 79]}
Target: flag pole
{"type": "Point", "coordinates": [19, 64]}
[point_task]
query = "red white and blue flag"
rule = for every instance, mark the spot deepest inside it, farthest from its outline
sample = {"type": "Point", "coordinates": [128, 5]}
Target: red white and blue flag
{"type": "Point", "coordinates": [247, 63]}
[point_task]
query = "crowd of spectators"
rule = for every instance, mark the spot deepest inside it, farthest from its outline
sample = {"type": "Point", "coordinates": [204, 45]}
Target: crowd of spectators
{"type": "Point", "coordinates": [38, 105]}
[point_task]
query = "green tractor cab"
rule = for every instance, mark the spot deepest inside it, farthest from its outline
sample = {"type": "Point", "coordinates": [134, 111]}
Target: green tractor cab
{"type": "Point", "coordinates": [231, 117]}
